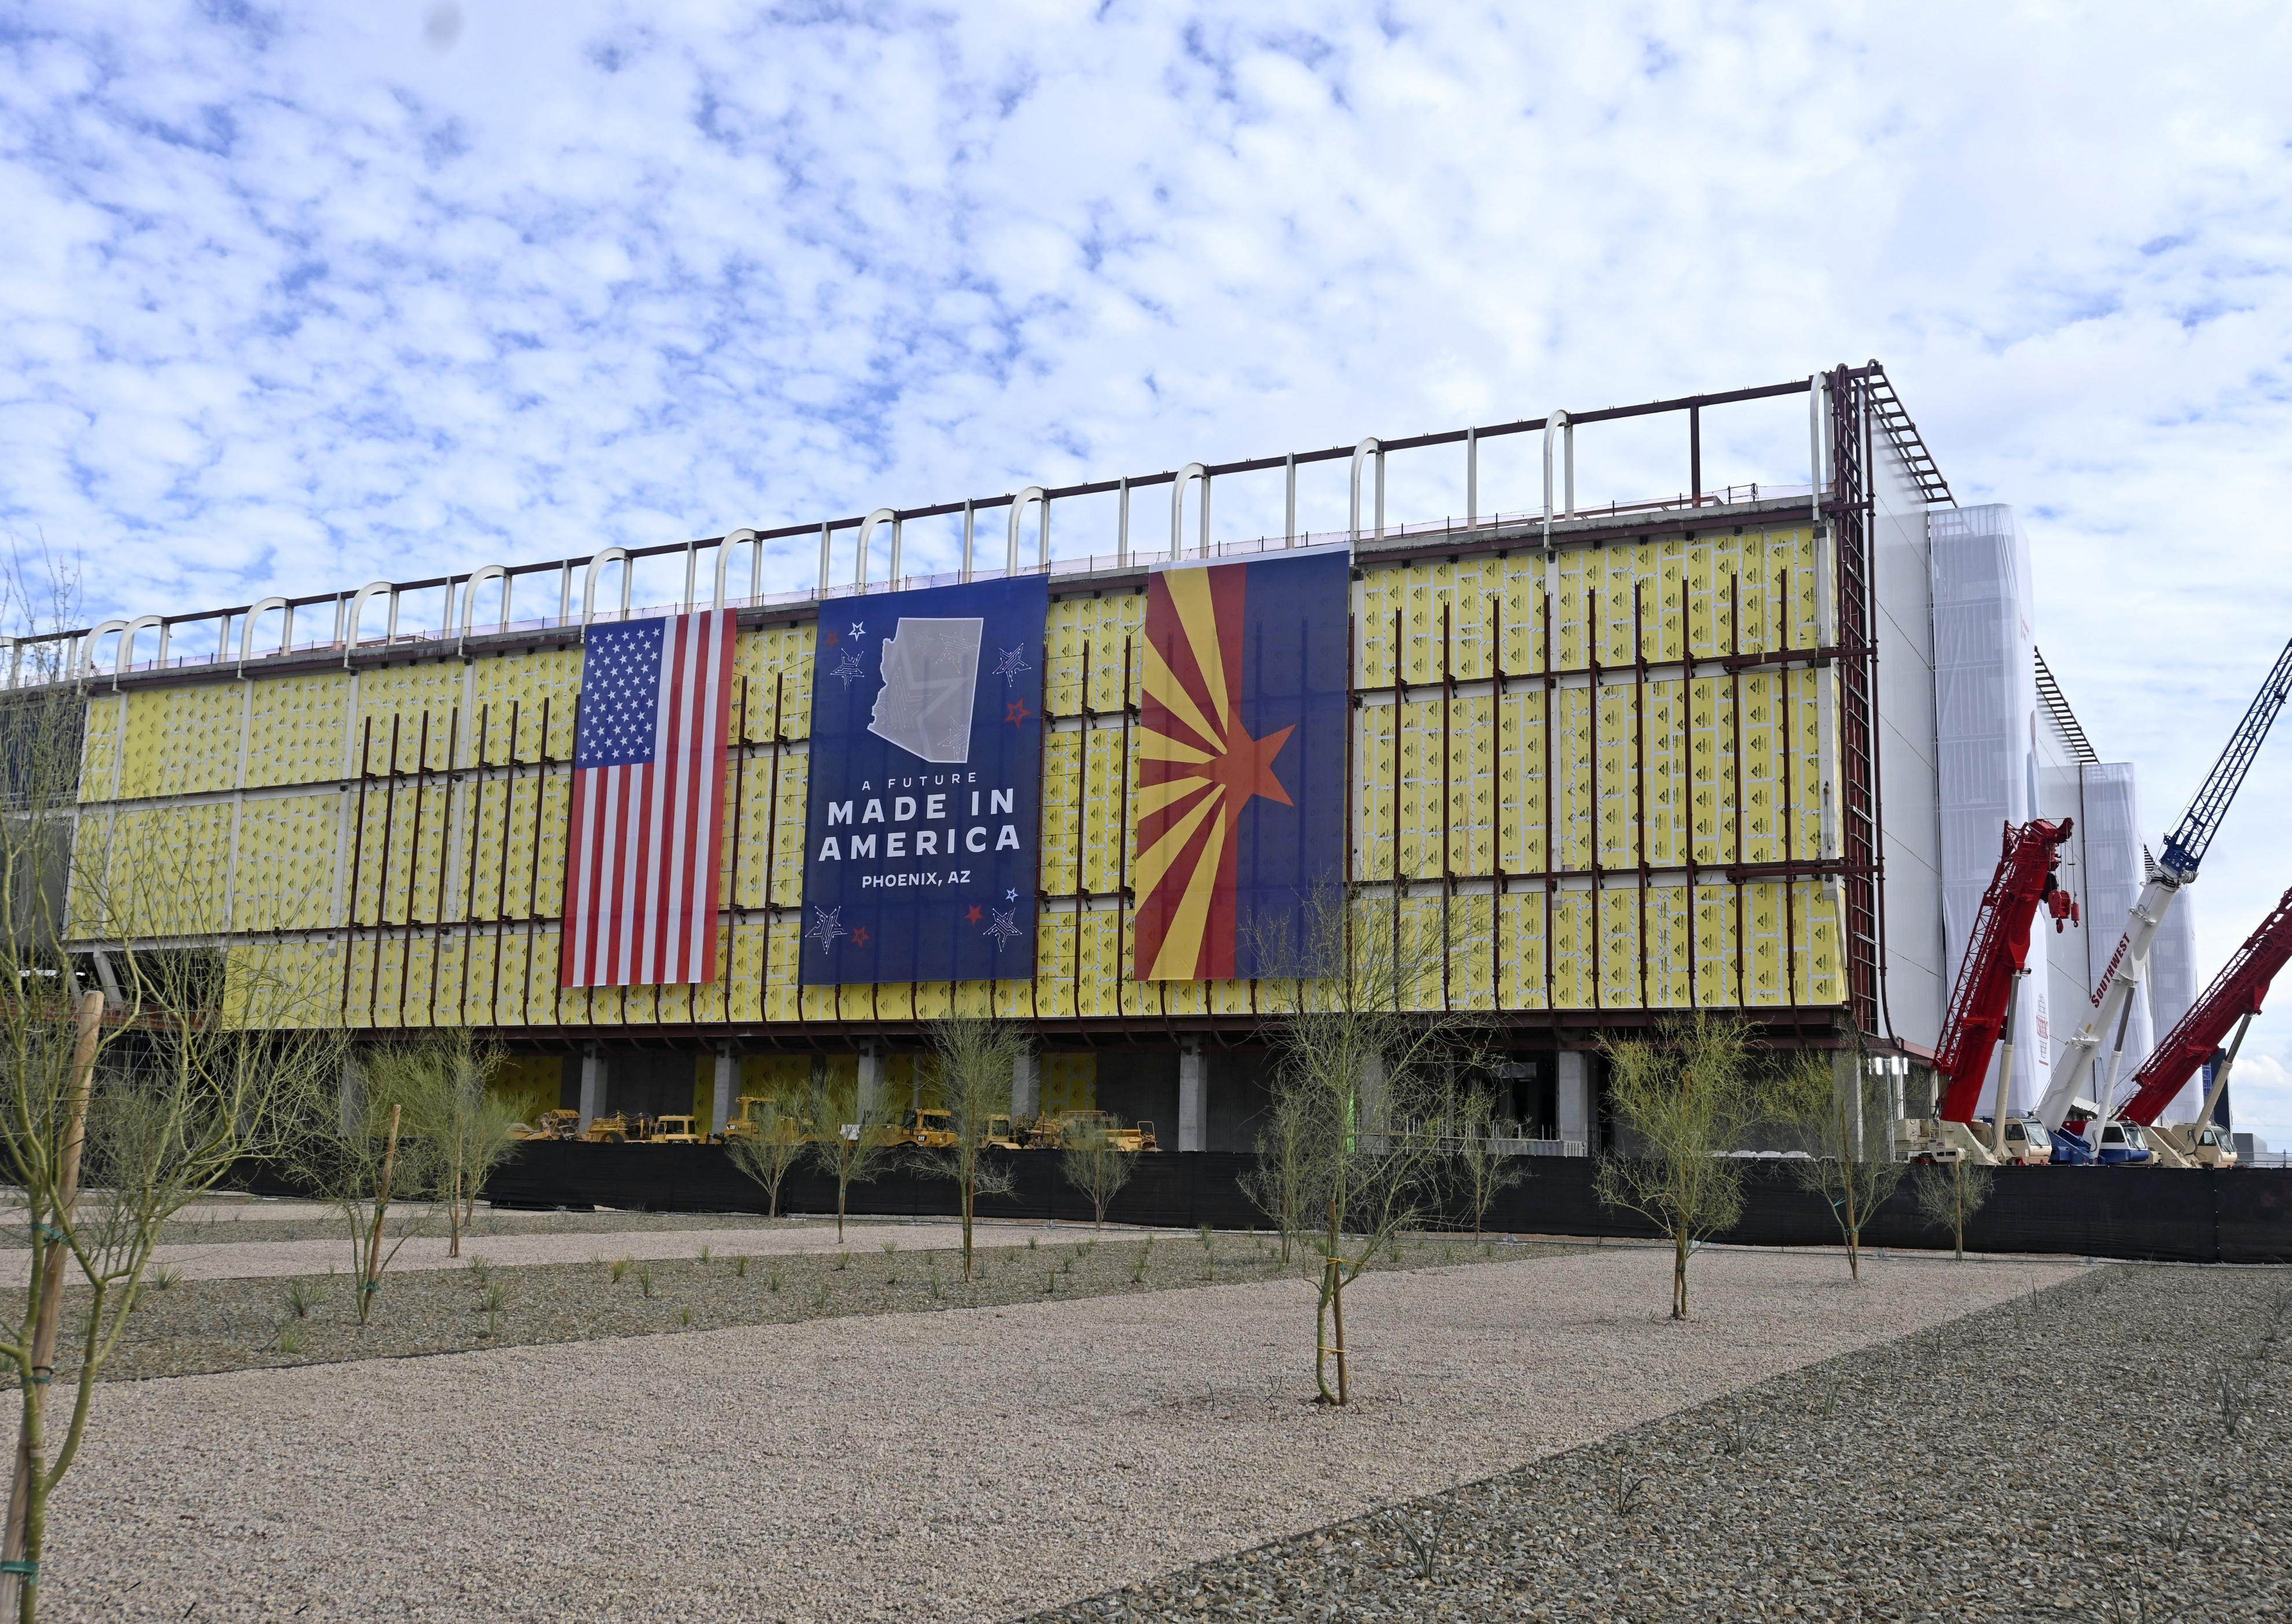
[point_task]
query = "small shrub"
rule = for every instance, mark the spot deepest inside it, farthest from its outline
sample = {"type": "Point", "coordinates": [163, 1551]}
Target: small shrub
{"type": "Point", "coordinates": [618, 1267]}
{"type": "Point", "coordinates": [290, 1339]}
{"type": "Point", "coordinates": [1203, 1235]}
{"type": "Point", "coordinates": [773, 1278]}
{"type": "Point", "coordinates": [301, 1297]}
{"type": "Point", "coordinates": [165, 1279]}
{"type": "Point", "coordinates": [819, 1298]}
{"type": "Point", "coordinates": [644, 1282]}
{"type": "Point", "coordinates": [1145, 1257]}
{"type": "Point", "coordinates": [889, 1247]}
{"type": "Point", "coordinates": [1032, 1243]}
{"type": "Point", "coordinates": [492, 1297]}
{"type": "Point", "coordinates": [704, 1255]}
{"type": "Point", "coordinates": [685, 1316]}
{"type": "Point", "coordinates": [1628, 1493]}
{"type": "Point", "coordinates": [492, 1332]}
{"type": "Point", "coordinates": [842, 1261]}
{"type": "Point", "coordinates": [740, 1268]}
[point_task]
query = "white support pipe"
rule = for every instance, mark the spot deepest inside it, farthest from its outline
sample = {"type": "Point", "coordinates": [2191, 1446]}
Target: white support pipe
{"type": "Point", "coordinates": [1361, 454]}
{"type": "Point", "coordinates": [1186, 476]}
{"type": "Point", "coordinates": [286, 626]}
{"type": "Point", "coordinates": [724, 556]}
{"type": "Point", "coordinates": [1558, 426]}
{"type": "Point", "coordinates": [478, 580]}
{"type": "Point", "coordinates": [1817, 388]}
{"type": "Point", "coordinates": [607, 555]}
{"type": "Point", "coordinates": [1122, 522]}
{"type": "Point", "coordinates": [824, 560]}
{"type": "Point", "coordinates": [692, 575]}
{"type": "Point", "coordinates": [868, 529]}
{"type": "Point", "coordinates": [96, 635]}
{"type": "Point", "coordinates": [1033, 493]}
{"type": "Point", "coordinates": [1472, 476]}
{"type": "Point", "coordinates": [970, 533]}
{"type": "Point", "coordinates": [893, 578]}
{"type": "Point", "coordinates": [1289, 500]}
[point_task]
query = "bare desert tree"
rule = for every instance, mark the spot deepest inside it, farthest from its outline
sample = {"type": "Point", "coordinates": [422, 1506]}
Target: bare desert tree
{"type": "Point", "coordinates": [1482, 1172]}
{"type": "Point", "coordinates": [1096, 1164]}
{"type": "Point", "coordinates": [1359, 1052]}
{"type": "Point", "coordinates": [145, 1095]}
{"type": "Point", "coordinates": [849, 1140]}
{"type": "Point", "coordinates": [1686, 1094]}
{"type": "Point", "coordinates": [1842, 1117]}
{"type": "Point", "coordinates": [974, 1059]}
{"type": "Point", "coordinates": [373, 1173]}
{"type": "Point", "coordinates": [776, 1142]}
{"type": "Point", "coordinates": [1949, 1195]}
{"type": "Point", "coordinates": [439, 1079]}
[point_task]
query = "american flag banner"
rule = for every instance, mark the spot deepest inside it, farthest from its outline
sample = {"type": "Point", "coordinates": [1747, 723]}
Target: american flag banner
{"type": "Point", "coordinates": [647, 819]}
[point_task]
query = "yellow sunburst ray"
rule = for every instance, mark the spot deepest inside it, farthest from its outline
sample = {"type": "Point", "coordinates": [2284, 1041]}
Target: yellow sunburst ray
{"type": "Point", "coordinates": [1156, 861]}
{"type": "Point", "coordinates": [1179, 957]}
{"type": "Point", "coordinates": [1190, 595]}
{"type": "Point", "coordinates": [1162, 684]}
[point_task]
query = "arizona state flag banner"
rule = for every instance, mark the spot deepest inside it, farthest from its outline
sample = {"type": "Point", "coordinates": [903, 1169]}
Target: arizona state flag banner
{"type": "Point", "coordinates": [1241, 775]}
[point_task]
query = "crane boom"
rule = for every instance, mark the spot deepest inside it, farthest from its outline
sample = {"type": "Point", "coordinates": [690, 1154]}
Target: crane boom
{"type": "Point", "coordinates": [1996, 949]}
{"type": "Point", "coordinates": [2236, 992]}
{"type": "Point", "coordinates": [2184, 850]}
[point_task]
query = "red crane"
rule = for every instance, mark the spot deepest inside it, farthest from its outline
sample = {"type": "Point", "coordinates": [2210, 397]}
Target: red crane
{"type": "Point", "coordinates": [2234, 995]}
{"type": "Point", "coordinates": [1996, 952]}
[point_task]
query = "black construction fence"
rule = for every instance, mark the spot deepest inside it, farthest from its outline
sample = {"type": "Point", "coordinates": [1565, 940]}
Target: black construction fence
{"type": "Point", "coordinates": [2243, 1215]}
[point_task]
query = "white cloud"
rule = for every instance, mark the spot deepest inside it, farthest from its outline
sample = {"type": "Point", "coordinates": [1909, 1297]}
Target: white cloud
{"type": "Point", "coordinates": [290, 302]}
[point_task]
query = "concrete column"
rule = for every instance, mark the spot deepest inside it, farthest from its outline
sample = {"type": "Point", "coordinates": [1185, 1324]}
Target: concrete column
{"type": "Point", "coordinates": [1375, 1106]}
{"type": "Point", "coordinates": [871, 1083]}
{"type": "Point", "coordinates": [720, 1113]}
{"type": "Point", "coordinates": [592, 1089]}
{"type": "Point", "coordinates": [1026, 1086]}
{"type": "Point", "coordinates": [1193, 1098]}
{"type": "Point", "coordinates": [1575, 1094]}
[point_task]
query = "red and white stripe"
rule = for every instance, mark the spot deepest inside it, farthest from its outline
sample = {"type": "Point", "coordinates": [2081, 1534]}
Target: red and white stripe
{"type": "Point", "coordinates": [641, 878]}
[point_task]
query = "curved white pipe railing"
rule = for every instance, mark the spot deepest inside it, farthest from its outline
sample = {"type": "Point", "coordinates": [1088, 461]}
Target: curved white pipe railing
{"type": "Point", "coordinates": [1186, 476]}
{"type": "Point", "coordinates": [1557, 425]}
{"type": "Point", "coordinates": [724, 556]}
{"type": "Point", "coordinates": [867, 527]}
{"type": "Point", "coordinates": [1361, 453]}
{"type": "Point", "coordinates": [477, 578]}
{"type": "Point", "coordinates": [96, 634]}
{"type": "Point", "coordinates": [126, 655]}
{"type": "Point", "coordinates": [256, 612]}
{"type": "Point", "coordinates": [1035, 494]}
{"type": "Point", "coordinates": [357, 610]}
{"type": "Point", "coordinates": [606, 555]}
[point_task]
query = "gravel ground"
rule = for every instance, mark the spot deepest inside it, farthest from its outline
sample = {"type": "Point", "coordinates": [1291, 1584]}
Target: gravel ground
{"type": "Point", "coordinates": [232, 1257]}
{"type": "Point", "coordinates": [237, 1319]}
{"type": "Point", "coordinates": [207, 1222]}
{"type": "Point", "coordinates": [1959, 1474]}
{"type": "Point", "coordinates": [963, 1465]}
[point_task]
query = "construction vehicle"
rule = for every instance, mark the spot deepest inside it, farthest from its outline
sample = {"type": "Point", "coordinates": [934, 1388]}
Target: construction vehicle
{"type": "Point", "coordinates": [2072, 1097]}
{"type": "Point", "coordinates": [1002, 1135]}
{"type": "Point", "coordinates": [2232, 1000]}
{"type": "Point", "coordinates": [607, 1130]}
{"type": "Point", "coordinates": [674, 1130]}
{"type": "Point", "coordinates": [1051, 1131]}
{"type": "Point", "coordinates": [758, 1113]}
{"type": "Point", "coordinates": [550, 1125]}
{"type": "Point", "coordinates": [1980, 1019]}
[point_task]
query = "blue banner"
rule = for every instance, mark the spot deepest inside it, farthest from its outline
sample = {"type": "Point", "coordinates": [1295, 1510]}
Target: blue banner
{"type": "Point", "coordinates": [922, 829]}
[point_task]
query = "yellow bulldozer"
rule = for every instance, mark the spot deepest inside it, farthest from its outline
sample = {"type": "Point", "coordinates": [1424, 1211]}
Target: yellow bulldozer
{"type": "Point", "coordinates": [1052, 1130]}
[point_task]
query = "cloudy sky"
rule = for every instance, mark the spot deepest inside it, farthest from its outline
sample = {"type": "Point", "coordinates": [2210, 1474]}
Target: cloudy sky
{"type": "Point", "coordinates": [307, 295]}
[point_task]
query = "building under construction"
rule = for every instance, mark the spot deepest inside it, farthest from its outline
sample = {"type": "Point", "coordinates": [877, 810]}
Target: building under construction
{"type": "Point", "coordinates": [1741, 747]}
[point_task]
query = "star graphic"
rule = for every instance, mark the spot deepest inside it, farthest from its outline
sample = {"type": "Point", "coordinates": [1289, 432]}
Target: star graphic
{"type": "Point", "coordinates": [834, 637]}
{"type": "Point", "coordinates": [1014, 661]}
{"type": "Point", "coordinates": [1011, 896]}
{"type": "Point", "coordinates": [1004, 927]}
{"type": "Point", "coordinates": [973, 914]}
{"type": "Point", "coordinates": [827, 926]}
{"type": "Point", "coordinates": [1016, 713]}
{"type": "Point", "coordinates": [848, 670]}
{"type": "Point", "coordinates": [860, 936]}
{"type": "Point", "coordinates": [1246, 771]}
{"type": "Point", "coordinates": [859, 628]}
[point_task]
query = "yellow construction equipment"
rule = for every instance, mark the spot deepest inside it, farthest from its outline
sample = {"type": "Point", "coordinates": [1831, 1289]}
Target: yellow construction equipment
{"type": "Point", "coordinates": [674, 1130]}
{"type": "Point", "coordinates": [607, 1130]}
{"type": "Point", "coordinates": [550, 1125]}
{"type": "Point", "coordinates": [1052, 1131]}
